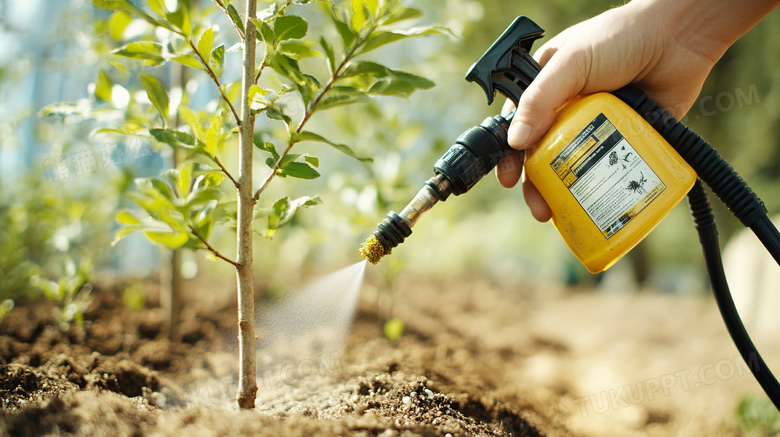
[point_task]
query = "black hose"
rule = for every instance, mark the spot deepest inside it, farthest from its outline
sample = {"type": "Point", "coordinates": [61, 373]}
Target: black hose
{"type": "Point", "coordinates": [704, 221]}
{"type": "Point", "coordinates": [767, 233]}
{"type": "Point", "coordinates": [713, 170]}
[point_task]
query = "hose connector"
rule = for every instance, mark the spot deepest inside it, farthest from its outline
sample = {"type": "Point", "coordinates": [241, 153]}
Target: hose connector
{"type": "Point", "coordinates": [394, 229]}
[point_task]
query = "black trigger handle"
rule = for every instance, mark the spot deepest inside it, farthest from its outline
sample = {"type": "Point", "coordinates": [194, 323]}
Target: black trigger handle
{"type": "Point", "coordinates": [507, 65]}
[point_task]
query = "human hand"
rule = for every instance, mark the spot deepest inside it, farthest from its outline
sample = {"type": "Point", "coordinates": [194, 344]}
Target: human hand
{"type": "Point", "coordinates": [666, 47]}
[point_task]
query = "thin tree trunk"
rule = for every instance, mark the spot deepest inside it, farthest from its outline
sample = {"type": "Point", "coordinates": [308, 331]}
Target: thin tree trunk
{"type": "Point", "coordinates": [172, 295]}
{"type": "Point", "coordinates": [247, 385]}
{"type": "Point", "coordinates": [173, 283]}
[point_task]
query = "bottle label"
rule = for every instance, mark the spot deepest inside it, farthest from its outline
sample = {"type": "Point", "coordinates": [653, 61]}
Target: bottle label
{"type": "Point", "coordinates": [607, 176]}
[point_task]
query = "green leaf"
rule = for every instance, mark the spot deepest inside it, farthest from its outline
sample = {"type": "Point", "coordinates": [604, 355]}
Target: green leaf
{"type": "Point", "coordinates": [148, 52]}
{"type": "Point", "coordinates": [287, 67]}
{"type": "Point", "coordinates": [290, 157]}
{"type": "Point", "coordinates": [154, 195]}
{"type": "Point", "coordinates": [181, 20]}
{"type": "Point", "coordinates": [125, 217]}
{"type": "Point", "coordinates": [345, 32]}
{"type": "Point", "coordinates": [204, 223]}
{"type": "Point", "coordinates": [402, 13]}
{"type": "Point", "coordinates": [360, 15]}
{"type": "Point", "coordinates": [313, 160]}
{"type": "Point", "coordinates": [340, 96]}
{"type": "Point", "coordinates": [205, 43]}
{"type": "Point", "coordinates": [185, 178]}
{"type": "Point", "coordinates": [381, 38]}
{"type": "Point", "coordinates": [218, 60]}
{"type": "Point", "coordinates": [290, 27]}
{"type": "Point", "coordinates": [158, 206]}
{"type": "Point", "coordinates": [213, 136]}
{"type": "Point", "coordinates": [274, 114]}
{"type": "Point", "coordinates": [391, 82]}
{"type": "Point", "coordinates": [112, 5]}
{"type": "Point", "coordinates": [206, 195]}
{"type": "Point", "coordinates": [266, 146]}
{"type": "Point", "coordinates": [301, 170]}
{"type": "Point", "coordinates": [192, 120]}
{"type": "Point", "coordinates": [284, 209]}
{"type": "Point", "coordinates": [171, 240]}
{"type": "Point", "coordinates": [171, 176]}
{"type": "Point", "coordinates": [265, 33]}
{"type": "Point", "coordinates": [299, 49]}
{"type": "Point", "coordinates": [125, 231]}
{"type": "Point", "coordinates": [130, 8]}
{"type": "Point", "coordinates": [173, 138]}
{"type": "Point", "coordinates": [363, 68]}
{"type": "Point", "coordinates": [258, 100]}
{"type": "Point", "coordinates": [157, 6]}
{"type": "Point", "coordinates": [236, 19]}
{"type": "Point", "coordinates": [328, 49]}
{"type": "Point", "coordinates": [372, 6]}
{"type": "Point", "coordinates": [401, 84]}
{"type": "Point", "coordinates": [117, 24]}
{"type": "Point", "coordinates": [343, 148]}
{"type": "Point", "coordinates": [130, 133]}
{"type": "Point", "coordinates": [416, 81]}
{"type": "Point", "coordinates": [211, 179]}
{"type": "Point", "coordinates": [157, 94]}
{"type": "Point", "coordinates": [103, 87]}
{"type": "Point", "coordinates": [188, 60]}
{"type": "Point", "coordinates": [162, 188]}
{"type": "Point", "coordinates": [308, 88]}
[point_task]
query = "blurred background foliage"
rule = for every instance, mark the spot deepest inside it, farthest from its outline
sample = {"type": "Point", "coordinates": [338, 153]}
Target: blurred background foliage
{"type": "Point", "coordinates": [57, 50]}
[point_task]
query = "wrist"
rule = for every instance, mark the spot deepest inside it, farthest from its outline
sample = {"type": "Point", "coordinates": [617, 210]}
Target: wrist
{"type": "Point", "coordinates": [705, 27]}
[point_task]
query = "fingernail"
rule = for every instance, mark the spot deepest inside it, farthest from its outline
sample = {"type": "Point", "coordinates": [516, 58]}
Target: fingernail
{"type": "Point", "coordinates": [518, 134]}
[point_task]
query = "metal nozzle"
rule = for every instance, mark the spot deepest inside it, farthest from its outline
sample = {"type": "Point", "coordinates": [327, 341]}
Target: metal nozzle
{"type": "Point", "coordinates": [435, 189]}
{"type": "Point", "coordinates": [396, 227]}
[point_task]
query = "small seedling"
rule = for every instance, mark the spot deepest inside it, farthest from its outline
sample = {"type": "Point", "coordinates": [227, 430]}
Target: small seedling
{"type": "Point", "coordinates": [6, 307]}
{"type": "Point", "coordinates": [757, 417]}
{"type": "Point", "coordinates": [134, 297]}
{"type": "Point", "coordinates": [394, 328]}
{"type": "Point", "coordinates": [71, 292]}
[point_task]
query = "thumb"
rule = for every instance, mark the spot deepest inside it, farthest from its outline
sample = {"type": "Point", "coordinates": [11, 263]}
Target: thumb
{"type": "Point", "coordinates": [563, 77]}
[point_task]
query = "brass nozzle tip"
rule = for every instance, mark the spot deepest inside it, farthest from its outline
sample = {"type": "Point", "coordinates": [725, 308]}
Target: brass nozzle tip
{"type": "Point", "coordinates": [372, 249]}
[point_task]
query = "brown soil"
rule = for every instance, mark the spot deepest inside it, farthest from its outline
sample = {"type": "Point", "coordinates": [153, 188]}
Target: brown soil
{"type": "Point", "coordinates": [475, 359]}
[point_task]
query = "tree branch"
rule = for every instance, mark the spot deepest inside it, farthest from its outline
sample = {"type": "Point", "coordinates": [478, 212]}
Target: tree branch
{"type": "Point", "coordinates": [225, 10]}
{"type": "Point", "coordinates": [224, 170]}
{"type": "Point", "coordinates": [276, 168]}
{"type": "Point", "coordinates": [210, 248]}
{"type": "Point", "coordinates": [214, 77]}
{"type": "Point", "coordinates": [260, 70]}
{"type": "Point", "coordinates": [313, 104]}
{"type": "Point", "coordinates": [309, 112]}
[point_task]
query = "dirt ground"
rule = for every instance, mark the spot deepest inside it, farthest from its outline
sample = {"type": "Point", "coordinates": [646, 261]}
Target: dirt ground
{"type": "Point", "coordinates": [476, 358]}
